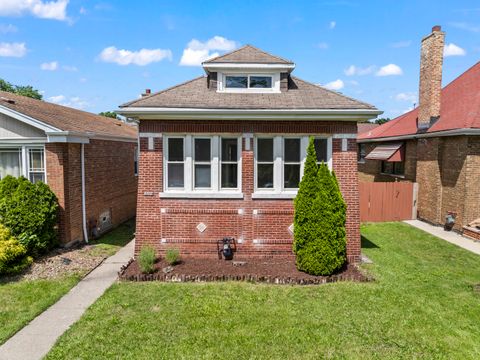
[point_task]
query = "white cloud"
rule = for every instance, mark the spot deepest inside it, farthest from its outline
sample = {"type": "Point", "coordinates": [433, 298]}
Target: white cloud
{"type": "Point", "coordinates": [57, 99]}
{"type": "Point", "coordinates": [401, 44]}
{"type": "Point", "coordinates": [332, 24]}
{"type": "Point", "coordinates": [83, 80]}
{"type": "Point", "coordinates": [453, 50]}
{"type": "Point", "coordinates": [82, 11]}
{"type": "Point", "coordinates": [406, 96]}
{"type": "Point", "coordinates": [389, 70]}
{"type": "Point", "coordinates": [56, 10]}
{"type": "Point", "coordinates": [12, 49]}
{"type": "Point", "coordinates": [50, 66]}
{"type": "Point", "coordinates": [141, 57]}
{"type": "Point", "coordinates": [197, 52]}
{"type": "Point", "coordinates": [355, 70]}
{"type": "Point", "coordinates": [7, 28]}
{"type": "Point", "coordinates": [335, 85]}
{"type": "Point", "coordinates": [74, 102]}
{"type": "Point", "coordinates": [323, 45]}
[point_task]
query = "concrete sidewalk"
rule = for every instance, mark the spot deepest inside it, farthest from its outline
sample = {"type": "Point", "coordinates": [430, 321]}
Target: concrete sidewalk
{"type": "Point", "coordinates": [36, 339]}
{"type": "Point", "coordinates": [450, 236]}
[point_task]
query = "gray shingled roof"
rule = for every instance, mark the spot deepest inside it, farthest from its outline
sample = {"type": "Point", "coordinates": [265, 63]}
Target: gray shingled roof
{"type": "Point", "coordinates": [248, 54]}
{"type": "Point", "coordinates": [66, 118]}
{"type": "Point", "coordinates": [300, 95]}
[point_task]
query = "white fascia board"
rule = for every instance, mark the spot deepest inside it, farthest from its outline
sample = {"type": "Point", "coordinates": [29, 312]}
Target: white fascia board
{"type": "Point", "coordinates": [84, 138]}
{"type": "Point", "coordinates": [456, 132]}
{"type": "Point", "coordinates": [146, 113]}
{"type": "Point", "coordinates": [27, 119]}
{"type": "Point", "coordinates": [31, 140]}
{"type": "Point", "coordinates": [67, 137]}
{"type": "Point", "coordinates": [248, 66]}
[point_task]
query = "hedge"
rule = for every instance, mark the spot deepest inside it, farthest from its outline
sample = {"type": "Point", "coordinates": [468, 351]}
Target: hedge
{"type": "Point", "coordinates": [13, 255]}
{"type": "Point", "coordinates": [29, 211]}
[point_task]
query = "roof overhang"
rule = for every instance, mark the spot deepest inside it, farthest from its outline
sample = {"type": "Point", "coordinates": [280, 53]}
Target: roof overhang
{"type": "Point", "coordinates": [454, 132]}
{"type": "Point", "coordinates": [151, 113]}
{"type": "Point", "coordinates": [215, 67]}
{"type": "Point", "coordinates": [57, 135]}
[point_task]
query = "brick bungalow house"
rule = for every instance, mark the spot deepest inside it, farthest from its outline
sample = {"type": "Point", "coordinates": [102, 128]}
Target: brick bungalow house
{"type": "Point", "coordinates": [436, 145]}
{"type": "Point", "coordinates": [222, 155]}
{"type": "Point", "coordinates": [88, 160]}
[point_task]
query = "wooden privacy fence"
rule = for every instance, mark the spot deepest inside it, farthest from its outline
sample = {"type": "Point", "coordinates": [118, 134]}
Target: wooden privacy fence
{"type": "Point", "coordinates": [388, 201]}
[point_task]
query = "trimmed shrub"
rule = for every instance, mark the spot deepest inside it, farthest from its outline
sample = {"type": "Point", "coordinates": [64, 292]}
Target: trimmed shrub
{"type": "Point", "coordinates": [30, 212]}
{"type": "Point", "coordinates": [146, 260]}
{"type": "Point", "coordinates": [320, 215]}
{"type": "Point", "coordinates": [172, 256]}
{"type": "Point", "coordinates": [13, 255]}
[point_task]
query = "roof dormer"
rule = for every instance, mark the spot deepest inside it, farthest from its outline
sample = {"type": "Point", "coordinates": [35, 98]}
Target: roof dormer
{"type": "Point", "coordinates": [248, 70]}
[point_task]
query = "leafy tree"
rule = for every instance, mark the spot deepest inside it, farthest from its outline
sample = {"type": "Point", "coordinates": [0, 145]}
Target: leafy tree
{"type": "Point", "coordinates": [381, 121]}
{"type": "Point", "coordinates": [20, 90]}
{"type": "Point", "coordinates": [110, 114]}
{"type": "Point", "coordinates": [320, 215]}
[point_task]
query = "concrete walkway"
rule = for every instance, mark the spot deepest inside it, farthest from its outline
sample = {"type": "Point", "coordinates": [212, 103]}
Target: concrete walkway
{"type": "Point", "coordinates": [36, 339]}
{"type": "Point", "coordinates": [450, 236]}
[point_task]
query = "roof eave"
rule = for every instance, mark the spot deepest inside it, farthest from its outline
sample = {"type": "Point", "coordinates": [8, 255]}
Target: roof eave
{"type": "Point", "coordinates": [147, 113]}
{"type": "Point", "coordinates": [454, 132]}
{"type": "Point", "coordinates": [215, 67]}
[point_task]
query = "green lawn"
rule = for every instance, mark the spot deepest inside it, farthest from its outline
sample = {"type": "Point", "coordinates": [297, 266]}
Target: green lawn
{"type": "Point", "coordinates": [23, 300]}
{"type": "Point", "coordinates": [111, 242]}
{"type": "Point", "coordinates": [421, 306]}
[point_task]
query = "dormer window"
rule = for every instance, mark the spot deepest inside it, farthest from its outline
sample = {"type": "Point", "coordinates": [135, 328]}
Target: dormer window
{"type": "Point", "coordinates": [249, 82]}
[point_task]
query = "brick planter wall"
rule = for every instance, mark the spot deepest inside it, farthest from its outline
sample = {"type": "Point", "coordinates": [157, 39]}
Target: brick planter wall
{"type": "Point", "coordinates": [261, 225]}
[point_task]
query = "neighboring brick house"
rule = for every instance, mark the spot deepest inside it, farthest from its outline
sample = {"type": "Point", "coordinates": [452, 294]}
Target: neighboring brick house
{"type": "Point", "coordinates": [88, 160]}
{"type": "Point", "coordinates": [222, 155]}
{"type": "Point", "coordinates": [436, 145]}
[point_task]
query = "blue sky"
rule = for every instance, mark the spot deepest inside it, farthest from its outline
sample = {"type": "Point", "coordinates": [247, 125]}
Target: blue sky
{"type": "Point", "coordinates": [95, 55]}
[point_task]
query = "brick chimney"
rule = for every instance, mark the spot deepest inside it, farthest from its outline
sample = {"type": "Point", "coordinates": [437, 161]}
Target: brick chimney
{"type": "Point", "coordinates": [431, 61]}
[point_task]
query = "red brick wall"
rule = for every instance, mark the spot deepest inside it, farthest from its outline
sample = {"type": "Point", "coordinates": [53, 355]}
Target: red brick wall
{"type": "Point", "coordinates": [109, 180]}
{"type": "Point", "coordinates": [262, 225]}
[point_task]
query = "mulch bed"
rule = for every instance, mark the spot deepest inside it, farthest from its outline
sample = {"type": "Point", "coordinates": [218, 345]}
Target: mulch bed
{"type": "Point", "coordinates": [273, 271]}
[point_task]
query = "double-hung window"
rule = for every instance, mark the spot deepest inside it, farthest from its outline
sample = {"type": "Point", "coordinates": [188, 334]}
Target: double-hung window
{"type": "Point", "coordinates": [291, 163]}
{"type": "Point", "coordinates": [175, 163]}
{"type": "Point", "coordinates": [279, 162]}
{"type": "Point", "coordinates": [27, 161]}
{"type": "Point", "coordinates": [202, 164]}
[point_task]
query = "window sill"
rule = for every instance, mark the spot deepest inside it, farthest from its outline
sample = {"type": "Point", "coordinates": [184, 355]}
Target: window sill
{"type": "Point", "coordinates": [285, 195]}
{"type": "Point", "coordinates": [393, 175]}
{"type": "Point", "coordinates": [201, 195]}
{"type": "Point", "coordinates": [361, 162]}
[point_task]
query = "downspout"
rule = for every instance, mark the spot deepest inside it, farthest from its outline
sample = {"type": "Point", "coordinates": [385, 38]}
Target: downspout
{"type": "Point", "coordinates": [84, 210]}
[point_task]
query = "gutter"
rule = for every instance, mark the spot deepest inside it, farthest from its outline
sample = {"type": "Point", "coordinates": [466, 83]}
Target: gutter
{"type": "Point", "coordinates": [84, 210]}
{"type": "Point", "coordinates": [164, 113]}
{"type": "Point", "coordinates": [83, 138]}
{"type": "Point", "coordinates": [455, 132]}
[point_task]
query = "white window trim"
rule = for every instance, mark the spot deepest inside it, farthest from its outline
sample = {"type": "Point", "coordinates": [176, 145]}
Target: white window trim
{"type": "Point", "coordinates": [189, 191]}
{"type": "Point", "coordinates": [278, 191]}
{"type": "Point", "coordinates": [26, 159]}
{"type": "Point", "coordinates": [221, 81]}
{"type": "Point", "coordinates": [136, 160]}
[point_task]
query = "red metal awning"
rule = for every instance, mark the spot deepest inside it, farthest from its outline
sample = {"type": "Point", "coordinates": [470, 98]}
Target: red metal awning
{"type": "Point", "coordinates": [393, 152]}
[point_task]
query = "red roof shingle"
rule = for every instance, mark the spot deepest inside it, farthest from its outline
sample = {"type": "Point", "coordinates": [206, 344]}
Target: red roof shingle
{"type": "Point", "coordinates": [459, 109]}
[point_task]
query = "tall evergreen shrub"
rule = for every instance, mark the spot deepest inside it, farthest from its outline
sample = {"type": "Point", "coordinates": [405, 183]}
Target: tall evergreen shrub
{"type": "Point", "coordinates": [319, 224]}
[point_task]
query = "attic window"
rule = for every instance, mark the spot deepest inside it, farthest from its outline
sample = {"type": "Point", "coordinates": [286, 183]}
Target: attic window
{"type": "Point", "coordinates": [248, 82]}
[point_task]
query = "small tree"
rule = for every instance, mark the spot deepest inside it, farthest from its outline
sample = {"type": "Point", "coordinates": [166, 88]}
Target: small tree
{"type": "Point", "coordinates": [110, 114]}
{"type": "Point", "coordinates": [319, 227]}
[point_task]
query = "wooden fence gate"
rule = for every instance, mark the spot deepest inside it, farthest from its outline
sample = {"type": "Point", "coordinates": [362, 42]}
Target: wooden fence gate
{"type": "Point", "coordinates": [388, 201]}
